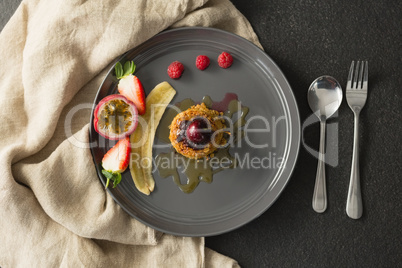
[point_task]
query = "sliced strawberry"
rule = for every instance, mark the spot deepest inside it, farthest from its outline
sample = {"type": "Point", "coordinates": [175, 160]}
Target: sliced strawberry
{"type": "Point", "coordinates": [131, 88]}
{"type": "Point", "coordinates": [116, 161]}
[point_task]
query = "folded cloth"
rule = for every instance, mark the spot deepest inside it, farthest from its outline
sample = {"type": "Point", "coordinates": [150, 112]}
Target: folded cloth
{"type": "Point", "coordinates": [53, 209]}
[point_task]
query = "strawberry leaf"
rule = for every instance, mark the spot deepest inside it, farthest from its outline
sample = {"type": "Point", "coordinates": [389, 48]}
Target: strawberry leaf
{"type": "Point", "coordinates": [117, 179]}
{"type": "Point", "coordinates": [118, 68]}
{"type": "Point", "coordinates": [121, 72]}
{"type": "Point", "coordinates": [129, 68]}
{"type": "Point", "coordinates": [114, 176]}
{"type": "Point", "coordinates": [133, 66]}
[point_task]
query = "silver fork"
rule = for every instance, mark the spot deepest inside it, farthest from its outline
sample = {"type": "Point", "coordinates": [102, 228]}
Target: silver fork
{"type": "Point", "coordinates": [356, 95]}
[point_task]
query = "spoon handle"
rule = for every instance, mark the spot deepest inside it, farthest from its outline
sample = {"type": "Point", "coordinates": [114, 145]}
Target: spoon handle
{"type": "Point", "coordinates": [354, 204]}
{"type": "Point", "coordinates": [320, 191]}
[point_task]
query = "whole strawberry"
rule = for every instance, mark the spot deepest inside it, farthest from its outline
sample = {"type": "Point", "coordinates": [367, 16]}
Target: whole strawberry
{"type": "Point", "coordinates": [225, 60]}
{"type": "Point", "coordinates": [175, 69]}
{"type": "Point", "coordinates": [202, 62]}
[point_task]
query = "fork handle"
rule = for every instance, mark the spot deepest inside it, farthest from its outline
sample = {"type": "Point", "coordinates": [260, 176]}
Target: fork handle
{"type": "Point", "coordinates": [320, 191]}
{"type": "Point", "coordinates": [354, 204]}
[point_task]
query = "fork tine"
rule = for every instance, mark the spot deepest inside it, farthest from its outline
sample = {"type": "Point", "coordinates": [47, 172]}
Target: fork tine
{"type": "Point", "coordinates": [365, 77]}
{"type": "Point", "coordinates": [360, 80]}
{"type": "Point", "coordinates": [350, 76]}
{"type": "Point", "coordinates": [355, 75]}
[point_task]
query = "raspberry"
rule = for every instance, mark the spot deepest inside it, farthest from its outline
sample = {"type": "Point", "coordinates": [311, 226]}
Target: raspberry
{"type": "Point", "coordinates": [175, 69]}
{"type": "Point", "coordinates": [202, 62]}
{"type": "Point", "coordinates": [225, 60]}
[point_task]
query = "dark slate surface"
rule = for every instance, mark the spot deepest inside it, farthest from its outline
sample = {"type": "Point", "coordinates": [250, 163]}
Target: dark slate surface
{"type": "Point", "coordinates": [308, 39]}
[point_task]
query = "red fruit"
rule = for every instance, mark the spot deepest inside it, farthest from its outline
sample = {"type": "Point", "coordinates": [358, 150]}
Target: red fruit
{"type": "Point", "coordinates": [130, 87]}
{"type": "Point", "coordinates": [175, 69]}
{"type": "Point", "coordinates": [115, 117]}
{"type": "Point", "coordinates": [199, 132]}
{"type": "Point", "coordinates": [116, 160]}
{"type": "Point", "coordinates": [225, 60]}
{"type": "Point", "coordinates": [202, 62]}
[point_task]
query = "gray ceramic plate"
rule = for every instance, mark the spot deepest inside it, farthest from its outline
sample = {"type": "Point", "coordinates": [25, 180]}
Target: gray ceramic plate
{"type": "Point", "coordinates": [236, 196]}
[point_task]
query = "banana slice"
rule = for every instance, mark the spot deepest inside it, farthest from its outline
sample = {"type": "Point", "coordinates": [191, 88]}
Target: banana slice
{"type": "Point", "coordinates": [143, 137]}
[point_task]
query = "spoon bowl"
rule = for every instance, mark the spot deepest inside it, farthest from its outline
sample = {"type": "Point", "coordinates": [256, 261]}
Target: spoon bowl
{"type": "Point", "coordinates": [324, 98]}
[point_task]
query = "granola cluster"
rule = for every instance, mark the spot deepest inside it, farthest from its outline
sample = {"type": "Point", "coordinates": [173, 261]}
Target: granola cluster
{"type": "Point", "coordinates": [217, 125]}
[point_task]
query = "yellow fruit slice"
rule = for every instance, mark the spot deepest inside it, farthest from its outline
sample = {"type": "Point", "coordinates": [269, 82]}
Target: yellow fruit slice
{"type": "Point", "coordinates": [143, 137]}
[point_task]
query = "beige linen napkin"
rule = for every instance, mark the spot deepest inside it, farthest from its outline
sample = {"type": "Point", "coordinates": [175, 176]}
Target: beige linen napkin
{"type": "Point", "coordinates": [53, 57]}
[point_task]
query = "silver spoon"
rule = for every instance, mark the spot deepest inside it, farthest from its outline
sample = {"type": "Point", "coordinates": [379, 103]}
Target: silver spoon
{"type": "Point", "coordinates": [324, 97]}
